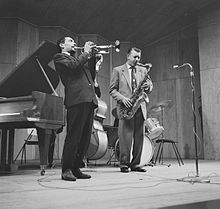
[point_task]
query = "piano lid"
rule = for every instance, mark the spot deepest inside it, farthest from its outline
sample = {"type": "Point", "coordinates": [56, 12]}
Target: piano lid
{"type": "Point", "coordinates": [28, 76]}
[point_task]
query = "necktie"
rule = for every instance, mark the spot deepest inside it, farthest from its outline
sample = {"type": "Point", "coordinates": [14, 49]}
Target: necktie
{"type": "Point", "coordinates": [133, 79]}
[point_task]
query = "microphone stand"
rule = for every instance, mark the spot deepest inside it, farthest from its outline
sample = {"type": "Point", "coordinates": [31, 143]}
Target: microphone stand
{"type": "Point", "coordinates": [194, 118]}
{"type": "Point", "coordinates": [196, 179]}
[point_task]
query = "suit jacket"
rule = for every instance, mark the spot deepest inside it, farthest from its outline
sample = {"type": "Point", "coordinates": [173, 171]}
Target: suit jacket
{"type": "Point", "coordinates": [120, 85]}
{"type": "Point", "coordinates": [77, 76]}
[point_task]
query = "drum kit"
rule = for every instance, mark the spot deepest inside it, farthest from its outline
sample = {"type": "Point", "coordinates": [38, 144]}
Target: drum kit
{"type": "Point", "coordinates": [153, 129]}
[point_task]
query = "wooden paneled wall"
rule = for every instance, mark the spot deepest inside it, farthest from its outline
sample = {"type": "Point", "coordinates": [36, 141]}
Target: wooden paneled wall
{"type": "Point", "coordinates": [175, 85]}
{"type": "Point", "coordinates": [19, 38]}
{"type": "Point", "coordinates": [209, 48]}
{"type": "Point", "coordinates": [8, 41]}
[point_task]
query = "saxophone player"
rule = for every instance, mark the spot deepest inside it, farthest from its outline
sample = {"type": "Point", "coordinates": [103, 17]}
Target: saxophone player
{"type": "Point", "coordinates": [124, 82]}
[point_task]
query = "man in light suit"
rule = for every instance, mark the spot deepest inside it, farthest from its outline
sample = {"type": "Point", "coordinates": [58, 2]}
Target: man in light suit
{"type": "Point", "coordinates": [77, 75]}
{"type": "Point", "coordinates": [130, 131]}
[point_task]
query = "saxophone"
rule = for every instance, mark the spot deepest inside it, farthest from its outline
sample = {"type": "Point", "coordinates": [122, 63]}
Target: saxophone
{"type": "Point", "coordinates": [136, 99]}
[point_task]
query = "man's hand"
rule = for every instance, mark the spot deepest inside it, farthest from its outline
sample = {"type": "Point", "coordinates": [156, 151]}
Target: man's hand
{"type": "Point", "coordinates": [89, 45]}
{"type": "Point", "coordinates": [127, 102]}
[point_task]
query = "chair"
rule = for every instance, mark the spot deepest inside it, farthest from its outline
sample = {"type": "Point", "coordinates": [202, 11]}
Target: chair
{"type": "Point", "coordinates": [160, 146]}
{"type": "Point", "coordinates": [23, 148]}
{"type": "Point", "coordinates": [28, 141]}
{"type": "Point", "coordinates": [160, 107]}
{"type": "Point", "coordinates": [112, 134]}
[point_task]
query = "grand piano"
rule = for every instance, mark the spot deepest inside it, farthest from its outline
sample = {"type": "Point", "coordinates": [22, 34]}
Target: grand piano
{"type": "Point", "coordinates": [28, 100]}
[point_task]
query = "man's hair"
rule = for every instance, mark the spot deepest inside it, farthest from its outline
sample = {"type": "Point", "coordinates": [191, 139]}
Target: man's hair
{"type": "Point", "coordinates": [133, 48]}
{"type": "Point", "coordinates": [61, 40]}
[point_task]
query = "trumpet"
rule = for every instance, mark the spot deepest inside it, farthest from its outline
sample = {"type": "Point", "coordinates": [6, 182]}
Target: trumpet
{"type": "Point", "coordinates": [102, 49]}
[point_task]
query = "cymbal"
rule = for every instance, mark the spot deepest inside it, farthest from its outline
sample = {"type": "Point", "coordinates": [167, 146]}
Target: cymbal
{"type": "Point", "coordinates": [161, 105]}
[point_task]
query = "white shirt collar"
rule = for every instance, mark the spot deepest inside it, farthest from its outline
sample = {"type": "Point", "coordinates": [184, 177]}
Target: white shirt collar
{"type": "Point", "coordinates": [128, 66]}
{"type": "Point", "coordinates": [66, 53]}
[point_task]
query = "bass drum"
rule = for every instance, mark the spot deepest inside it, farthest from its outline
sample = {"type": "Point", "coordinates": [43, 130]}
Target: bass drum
{"type": "Point", "coordinates": [146, 155]}
{"type": "Point", "coordinates": [98, 142]}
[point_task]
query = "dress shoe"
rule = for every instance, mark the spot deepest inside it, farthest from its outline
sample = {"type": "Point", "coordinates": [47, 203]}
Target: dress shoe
{"type": "Point", "coordinates": [78, 174]}
{"type": "Point", "coordinates": [67, 175]}
{"type": "Point", "coordinates": [82, 164]}
{"type": "Point", "coordinates": [138, 169]}
{"type": "Point", "coordinates": [124, 169]}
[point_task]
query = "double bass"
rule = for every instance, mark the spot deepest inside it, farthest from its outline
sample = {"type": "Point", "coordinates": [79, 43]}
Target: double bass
{"type": "Point", "coordinates": [99, 141]}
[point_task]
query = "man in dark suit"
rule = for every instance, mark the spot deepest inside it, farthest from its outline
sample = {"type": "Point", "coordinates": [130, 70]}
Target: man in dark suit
{"type": "Point", "coordinates": [77, 75]}
{"type": "Point", "coordinates": [125, 80]}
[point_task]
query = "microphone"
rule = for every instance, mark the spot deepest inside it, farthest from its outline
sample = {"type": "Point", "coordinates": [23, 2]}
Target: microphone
{"type": "Point", "coordinates": [177, 67]}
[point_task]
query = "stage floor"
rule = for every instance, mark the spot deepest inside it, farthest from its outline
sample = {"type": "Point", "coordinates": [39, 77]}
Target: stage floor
{"type": "Point", "coordinates": [160, 187]}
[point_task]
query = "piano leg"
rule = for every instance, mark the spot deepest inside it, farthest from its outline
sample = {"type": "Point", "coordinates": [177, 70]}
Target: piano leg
{"type": "Point", "coordinates": [44, 142]}
{"type": "Point", "coordinates": [7, 163]}
{"type": "Point", "coordinates": [11, 146]}
{"type": "Point", "coordinates": [3, 148]}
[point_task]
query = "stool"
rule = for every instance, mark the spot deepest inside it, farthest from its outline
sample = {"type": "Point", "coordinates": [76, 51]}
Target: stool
{"type": "Point", "coordinates": [112, 134]}
{"type": "Point", "coordinates": [160, 150]}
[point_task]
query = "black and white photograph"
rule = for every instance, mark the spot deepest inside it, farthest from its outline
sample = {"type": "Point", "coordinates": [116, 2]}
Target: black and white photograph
{"type": "Point", "coordinates": [110, 104]}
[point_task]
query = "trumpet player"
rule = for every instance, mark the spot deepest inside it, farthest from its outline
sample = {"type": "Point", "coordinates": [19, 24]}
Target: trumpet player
{"type": "Point", "coordinates": [77, 75]}
{"type": "Point", "coordinates": [125, 79]}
